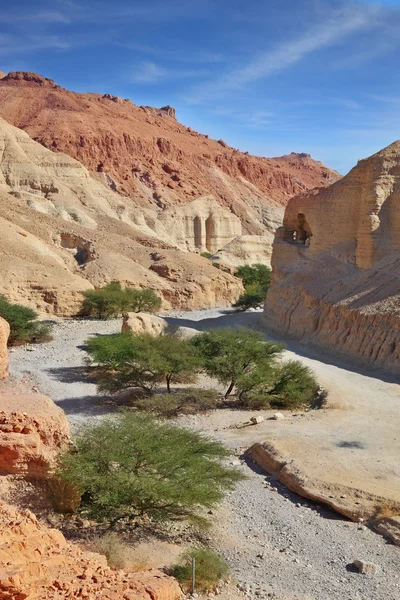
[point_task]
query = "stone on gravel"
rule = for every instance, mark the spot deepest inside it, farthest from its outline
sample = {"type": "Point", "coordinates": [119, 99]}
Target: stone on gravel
{"type": "Point", "coordinates": [256, 420]}
{"type": "Point", "coordinates": [367, 568]}
{"type": "Point", "coordinates": [278, 416]}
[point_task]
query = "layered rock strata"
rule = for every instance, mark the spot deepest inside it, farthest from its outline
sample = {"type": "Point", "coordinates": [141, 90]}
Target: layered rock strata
{"type": "Point", "coordinates": [336, 264]}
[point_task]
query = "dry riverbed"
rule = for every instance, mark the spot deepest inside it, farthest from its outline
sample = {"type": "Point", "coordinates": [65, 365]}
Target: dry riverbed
{"type": "Point", "coordinates": [278, 545]}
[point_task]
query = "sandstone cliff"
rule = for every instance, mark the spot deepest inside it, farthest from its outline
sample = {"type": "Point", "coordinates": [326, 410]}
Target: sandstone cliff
{"type": "Point", "coordinates": [336, 264]}
{"type": "Point", "coordinates": [146, 153]}
{"type": "Point", "coordinates": [61, 232]}
{"type": "Point", "coordinates": [37, 563]}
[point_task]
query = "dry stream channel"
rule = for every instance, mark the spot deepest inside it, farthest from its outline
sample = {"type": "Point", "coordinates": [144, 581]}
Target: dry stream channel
{"type": "Point", "coordinates": [278, 544]}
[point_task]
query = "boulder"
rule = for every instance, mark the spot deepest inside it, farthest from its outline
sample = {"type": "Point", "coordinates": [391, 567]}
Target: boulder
{"type": "Point", "coordinates": [4, 333]}
{"type": "Point", "coordinates": [144, 323]}
{"type": "Point", "coordinates": [184, 333]}
{"type": "Point", "coordinates": [37, 563]}
{"type": "Point", "coordinates": [33, 430]}
{"type": "Point", "coordinates": [365, 567]}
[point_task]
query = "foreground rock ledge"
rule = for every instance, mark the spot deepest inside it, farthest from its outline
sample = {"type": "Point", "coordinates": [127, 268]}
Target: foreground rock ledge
{"type": "Point", "coordinates": [37, 563]}
{"type": "Point", "coordinates": [33, 430]}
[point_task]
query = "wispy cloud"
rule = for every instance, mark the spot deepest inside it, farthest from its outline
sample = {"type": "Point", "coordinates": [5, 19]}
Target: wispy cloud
{"type": "Point", "coordinates": [38, 16]}
{"type": "Point", "coordinates": [12, 44]}
{"type": "Point", "coordinates": [333, 30]}
{"type": "Point", "coordinates": [150, 73]}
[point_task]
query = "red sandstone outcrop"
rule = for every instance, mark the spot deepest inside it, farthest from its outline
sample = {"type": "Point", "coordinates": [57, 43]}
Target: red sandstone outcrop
{"type": "Point", "coordinates": [37, 563]}
{"type": "Point", "coordinates": [33, 430]}
{"type": "Point", "coordinates": [146, 153]}
{"type": "Point", "coordinates": [4, 333]}
{"type": "Point", "coordinates": [336, 265]}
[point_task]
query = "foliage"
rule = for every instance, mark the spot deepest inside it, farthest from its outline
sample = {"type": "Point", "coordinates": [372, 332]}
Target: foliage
{"type": "Point", "coordinates": [23, 325]}
{"type": "Point", "coordinates": [64, 496]}
{"type": "Point", "coordinates": [229, 353]}
{"type": "Point", "coordinates": [256, 280]}
{"type": "Point", "coordinates": [210, 569]}
{"type": "Point", "coordinates": [133, 465]}
{"type": "Point", "coordinates": [113, 300]}
{"type": "Point", "coordinates": [253, 297]}
{"type": "Point", "coordinates": [142, 360]}
{"type": "Point", "coordinates": [288, 384]}
{"type": "Point", "coordinates": [206, 254]}
{"type": "Point", "coordinates": [189, 402]}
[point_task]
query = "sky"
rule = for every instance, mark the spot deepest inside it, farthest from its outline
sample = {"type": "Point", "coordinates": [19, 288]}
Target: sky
{"type": "Point", "coordinates": [268, 76]}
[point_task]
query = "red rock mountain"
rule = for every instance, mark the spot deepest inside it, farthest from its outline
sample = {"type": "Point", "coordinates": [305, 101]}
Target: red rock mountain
{"type": "Point", "coordinates": [146, 153]}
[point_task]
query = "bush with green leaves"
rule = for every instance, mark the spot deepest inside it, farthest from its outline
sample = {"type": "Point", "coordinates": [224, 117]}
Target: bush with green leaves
{"type": "Point", "coordinates": [285, 385]}
{"type": "Point", "coordinates": [229, 353]}
{"type": "Point", "coordinates": [126, 361]}
{"type": "Point", "coordinates": [133, 465]}
{"type": "Point", "coordinates": [210, 569]}
{"type": "Point", "coordinates": [114, 300]}
{"type": "Point", "coordinates": [254, 369]}
{"type": "Point", "coordinates": [256, 280]}
{"type": "Point", "coordinates": [188, 402]}
{"type": "Point", "coordinates": [23, 324]}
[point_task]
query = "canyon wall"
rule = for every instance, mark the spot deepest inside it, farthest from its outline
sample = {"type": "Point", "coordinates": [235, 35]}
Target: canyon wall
{"type": "Point", "coordinates": [336, 264]}
{"type": "Point", "coordinates": [63, 231]}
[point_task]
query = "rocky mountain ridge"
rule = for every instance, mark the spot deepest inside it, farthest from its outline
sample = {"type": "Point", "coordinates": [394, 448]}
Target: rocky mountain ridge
{"type": "Point", "coordinates": [147, 154]}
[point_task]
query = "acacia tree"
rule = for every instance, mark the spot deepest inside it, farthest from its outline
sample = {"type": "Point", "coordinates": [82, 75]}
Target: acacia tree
{"type": "Point", "coordinates": [113, 300]}
{"type": "Point", "coordinates": [256, 280]}
{"type": "Point", "coordinates": [134, 465]}
{"type": "Point", "coordinates": [229, 353]}
{"type": "Point", "coordinates": [142, 360]}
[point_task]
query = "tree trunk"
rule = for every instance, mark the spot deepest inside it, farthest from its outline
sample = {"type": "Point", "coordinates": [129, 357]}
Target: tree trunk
{"type": "Point", "coordinates": [168, 384]}
{"type": "Point", "coordinates": [230, 388]}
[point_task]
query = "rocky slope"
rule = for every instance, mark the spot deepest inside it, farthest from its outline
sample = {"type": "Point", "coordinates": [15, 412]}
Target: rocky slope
{"type": "Point", "coordinates": [336, 264]}
{"type": "Point", "coordinates": [37, 563]}
{"type": "Point", "coordinates": [147, 154]}
{"type": "Point", "coordinates": [62, 231]}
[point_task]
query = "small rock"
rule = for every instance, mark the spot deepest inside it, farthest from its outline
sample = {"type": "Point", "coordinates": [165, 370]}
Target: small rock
{"type": "Point", "coordinates": [278, 416]}
{"type": "Point", "coordinates": [367, 568]}
{"type": "Point", "coordinates": [256, 420]}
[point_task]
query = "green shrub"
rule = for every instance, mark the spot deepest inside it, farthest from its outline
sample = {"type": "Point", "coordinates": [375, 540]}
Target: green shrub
{"type": "Point", "coordinates": [287, 385]}
{"type": "Point", "coordinates": [142, 360]}
{"type": "Point", "coordinates": [113, 300]}
{"type": "Point", "coordinates": [206, 254]}
{"type": "Point", "coordinates": [210, 568]}
{"type": "Point", "coordinates": [256, 280]}
{"type": "Point", "coordinates": [134, 465]}
{"type": "Point", "coordinates": [23, 325]}
{"type": "Point", "coordinates": [188, 402]}
{"type": "Point", "coordinates": [229, 353]}
{"type": "Point", "coordinates": [253, 297]}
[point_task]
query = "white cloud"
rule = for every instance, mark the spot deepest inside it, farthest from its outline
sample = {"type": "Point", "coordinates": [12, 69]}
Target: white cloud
{"type": "Point", "coordinates": [148, 72]}
{"type": "Point", "coordinates": [333, 30]}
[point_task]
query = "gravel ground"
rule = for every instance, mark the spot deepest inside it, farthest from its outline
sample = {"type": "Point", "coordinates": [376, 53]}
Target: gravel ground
{"type": "Point", "coordinates": [278, 545]}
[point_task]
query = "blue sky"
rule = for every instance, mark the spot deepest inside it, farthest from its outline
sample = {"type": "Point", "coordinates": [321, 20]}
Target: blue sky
{"type": "Point", "coordinates": [267, 76]}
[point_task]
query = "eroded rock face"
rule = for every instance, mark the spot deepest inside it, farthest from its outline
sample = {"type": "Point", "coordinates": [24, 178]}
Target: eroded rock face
{"type": "Point", "coordinates": [33, 430]}
{"type": "Point", "coordinates": [37, 563]}
{"type": "Point", "coordinates": [202, 225]}
{"type": "Point", "coordinates": [336, 264]}
{"type": "Point", "coordinates": [149, 155]}
{"type": "Point", "coordinates": [63, 231]}
{"type": "Point", "coordinates": [4, 333]}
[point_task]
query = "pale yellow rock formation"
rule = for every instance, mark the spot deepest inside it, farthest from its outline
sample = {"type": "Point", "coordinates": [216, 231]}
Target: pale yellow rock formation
{"type": "Point", "coordinates": [4, 333]}
{"type": "Point", "coordinates": [63, 231]}
{"type": "Point", "coordinates": [245, 250]}
{"type": "Point", "coordinates": [144, 323]}
{"type": "Point", "coordinates": [202, 225]}
{"type": "Point", "coordinates": [336, 264]}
